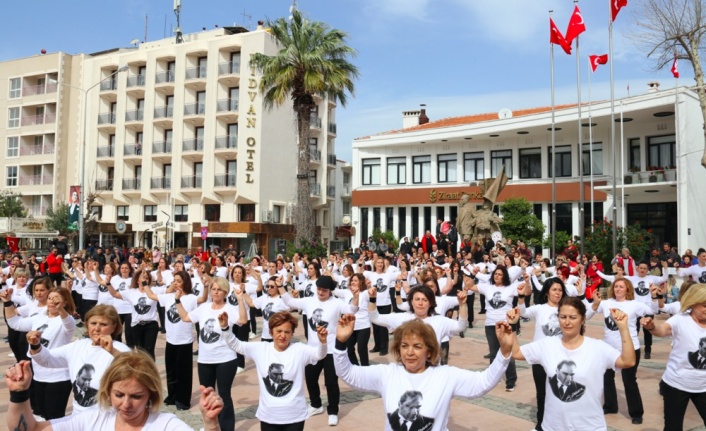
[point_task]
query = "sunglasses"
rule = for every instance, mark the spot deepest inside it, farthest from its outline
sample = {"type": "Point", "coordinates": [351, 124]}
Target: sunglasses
{"type": "Point", "coordinates": [273, 286]}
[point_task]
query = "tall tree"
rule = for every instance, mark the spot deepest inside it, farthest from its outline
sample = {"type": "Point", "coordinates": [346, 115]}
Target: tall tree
{"type": "Point", "coordinates": [312, 60]}
{"type": "Point", "coordinates": [665, 28]}
{"type": "Point", "coordinates": [520, 222]}
{"type": "Point", "coordinates": [11, 205]}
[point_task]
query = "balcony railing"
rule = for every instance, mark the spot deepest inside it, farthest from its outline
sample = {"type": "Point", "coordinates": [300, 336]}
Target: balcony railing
{"type": "Point", "coordinates": [136, 81]}
{"type": "Point", "coordinates": [314, 155]}
{"type": "Point", "coordinates": [36, 180]}
{"type": "Point", "coordinates": [191, 182]}
{"type": "Point", "coordinates": [33, 150]}
{"type": "Point", "coordinates": [38, 211]}
{"type": "Point", "coordinates": [31, 90]}
{"type": "Point", "coordinates": [107, 118]}
{"type": "Point", "coordinates": [346, 190]}
{"type": "Point", "coordinates": [198, 108]}
{"type": "Point", "coordinates": [132, 184]}
{"type": "Point", "coordinates": [315, 121]}
{"type": "Point", "coordinates": [162, 147]}
{"type": "Point", "coordinates": [225, 180]}
{"type": "Point", "coordinates": [332, 128]}
{"type": "Point", "coordinates": [227, 105]}
{"type": "Point", "coordinates": [195, 144]}
{"type": "Point", "coordinates": [315, 189]}
{"type": "Point", "coordinates": [161, 183]}
{"type": "Point", "coordinates": [331, 191]}
{"type": "Point", "coordinates": [331, 159]}
{"type": "Point", "coordinates": [103, 185]}
{"type": "Point", "coordinates": [166, 111]}
{"type": "Point", "coordinates": [135, 115]}
{"type": "Point", "coordinates": [132, 150]}
{"type": "Point", "coordinates": [110, 85]}
{"type": "Point", "coordinates": [229, 68]}
{"type": "Point", "coordinates": [230, 142]}
{"type": "Point", "coordinates": [31, 120]}
{"type": "Point", "coordinates": [105, 151]}
{"type": "Point", "coordinates": [196, 73]}
{"type": "Point", "coordinates": [163, 77]}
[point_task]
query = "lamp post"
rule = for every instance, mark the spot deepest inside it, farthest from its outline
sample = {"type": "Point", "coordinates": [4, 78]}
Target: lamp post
{"type": "Point", "coordinates": [166, 232]}
{"type": "Point", "coordinates": [83, 150]}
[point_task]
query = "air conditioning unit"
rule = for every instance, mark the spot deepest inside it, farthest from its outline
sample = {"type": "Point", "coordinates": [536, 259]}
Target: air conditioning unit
{"type": "Point", "coordinates": [266, 216]}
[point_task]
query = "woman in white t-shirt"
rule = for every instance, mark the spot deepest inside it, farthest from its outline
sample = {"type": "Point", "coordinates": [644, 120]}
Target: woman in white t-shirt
{"type": "Point", "coordinates": [269, 304]}
{"type": "Point", "coordinates": [684, 378]}
{"type": "Point", "coordinates": [216, 362]}
{"type": "Point", "coordinates": [416, 392]}
{"type": "Point", "coordinates": [382, 281]}
{"type": "Point", "coordinates": [109, 271]}
{"type": "Point", "coordinates": [361, 332]}
{"type": "Point", "coordinates": [121, 282]}
{"type": "Point", "coordinates": [17, 289]}
{"type": "Point", "coordinates": [574, 364]}
{"type": "Point", "coordinates": [280, 371]}
{"type": "Point", "coordinates": [130, 397]}
{"type": "Point", "coordinates": [89, 291]}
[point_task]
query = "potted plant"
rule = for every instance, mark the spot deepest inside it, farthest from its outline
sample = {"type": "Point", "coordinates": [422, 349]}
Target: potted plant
{"type": "Point", "coordinates": [659, 173]}
{"type": "Point", "coordinates": [670, 173]}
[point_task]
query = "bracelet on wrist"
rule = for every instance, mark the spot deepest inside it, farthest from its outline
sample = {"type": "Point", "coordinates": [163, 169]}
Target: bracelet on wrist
{"type": "Point", "coordinates": [373, 299]}
{"type": "Point", "coordinates": [225, 329]}
{"type": "Point", "coordinates": [8, 304]}
{"type": "Point", "coordinates": [660, 297]}
{"type": "Point", "coordinates": [18, 397]}
{"type": "Point", "coordinates": [177, 301]}
{"type": "Point", "coordinates": [521, 296]}
{"type": "Point", "coordinates": [35, 346]}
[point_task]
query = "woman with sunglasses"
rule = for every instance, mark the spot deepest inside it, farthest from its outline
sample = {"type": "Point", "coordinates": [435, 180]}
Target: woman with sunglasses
{"type": "Point", "coordinates": [269, 303]}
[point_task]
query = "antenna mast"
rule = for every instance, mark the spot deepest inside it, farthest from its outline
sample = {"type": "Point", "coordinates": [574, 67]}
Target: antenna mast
{"type": "Point", "coordinates": [177, 12]}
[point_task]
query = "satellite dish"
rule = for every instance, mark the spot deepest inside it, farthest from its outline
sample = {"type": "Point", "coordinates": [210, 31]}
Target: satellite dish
{"type": "Point", "coordinates": [504, 114]}
{"type": "Point", "coordinates": [134, 42]}
{"type": "Point", "coordinates": [120, 226]}
{"type": "Point", "coordinates": [346, 220]}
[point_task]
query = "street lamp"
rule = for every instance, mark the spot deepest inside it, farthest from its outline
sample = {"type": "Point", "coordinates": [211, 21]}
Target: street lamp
{"type": "Point", "coordinates": [83, 150]}
{"type": "Point", "coordinates": [166, 232]}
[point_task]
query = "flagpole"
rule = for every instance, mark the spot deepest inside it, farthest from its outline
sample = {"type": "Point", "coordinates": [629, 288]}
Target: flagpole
{"type": "Point", "coordinates": [612, 128]}
{"type": "Point", "coordinates": [552, 231]}
{"type": "Point", "coordinates": [580, 142]}
{"type": "Point", "coordinates": [622, 166]}
{"type": "Point", "coordinates": [590, 140]}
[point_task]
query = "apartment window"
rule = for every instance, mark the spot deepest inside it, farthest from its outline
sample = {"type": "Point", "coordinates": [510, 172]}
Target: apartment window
{"type": "Point", "coordinates": [415, 222]}
{"type": "Point", "coordinates": [97, 212]}
{"type": "Point", "coordinates": [473, 166]}
{"type": "Point", "coordinates": [11, 176]}
{"type": "Point", "coordinates": [447, 168]}
{"type": "Point", "coordinates": [634, 148]}
{"type": "Point", "coordinates": [181, 213]}
{"type": "Point", "coordinates": [498, 159]}
{"type": "Point", "coordinates": [150, 213]}
{"type": "Point", "coordinates": [530, 163]}
{"type": "Point", "coordinates": [397, 170]}
{"type": "Point", "coordinates": [440, 214]}
{"type": "Point", "coordinates": [661, 151]}
{"type": "Point", "coordinates": [597, 213]}
{"type": "Point", "coordinates": [123, 212]}
{"type": "Point", "coordinates": [13, 117]}
{"type": "Point", "coordinates": [401, 222]}
{"type": "Point", "coordinates": [13, 146]}
{"type": "Point", "coordinates": [563, 161]}
{"type": "Point", "coordinates": [564, 219]}
{"type": "Point", "coordinates": [246, 212]}
{"type": "Point", "coordinates": [364, 224]}
{"type": "Point", "coordinates": [371, 172]}
{"type": "Point", "coordinates": [376, 218]}
{"type": "Point", "coordinates": [389, 215]}
{"type": "Point", "coordinates": [421, 169]}
{"type": "Point", "coordinates": [346, 207]}
{"type": "Point", "coordinates": [15, 88]}
{"type": "Point", "coordinates": [277, 211]}
{"type": "Point", "coordinates": [427, 219]}
{"type": "Point", "coordinates": [212, 212]}
{"type": "Point", "coordinates": [595, 168]}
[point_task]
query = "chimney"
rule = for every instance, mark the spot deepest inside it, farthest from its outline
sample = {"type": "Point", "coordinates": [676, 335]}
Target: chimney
{"type": "Point", "coordinates": [260, 25]}
{"type": "Point", "coordinates": [653, 87]}
{"type": "Point", "coordinates": [414, 118]}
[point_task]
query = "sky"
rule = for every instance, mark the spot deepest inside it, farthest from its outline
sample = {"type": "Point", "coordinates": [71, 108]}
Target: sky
{"type": "Point", "coordinates": [458, 57]}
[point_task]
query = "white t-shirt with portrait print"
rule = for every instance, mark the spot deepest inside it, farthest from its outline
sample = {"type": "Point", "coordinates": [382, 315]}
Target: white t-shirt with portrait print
{"type": "Point", "coordinates": [686, 367]}
{"type": "Point", "coordinates": [633, 309]}
{"type": "Point", "coordinates": [197, 285]}
{"type": "Point", "coordinates": [104, 420]}
{"type": "Point", "coordinates": [382, 284]}
{"type": "Point", "coordinates": [89, 287]}
{"type": "Point", "coordinates": [282, 402]}
{"type": "Point", "coordinates": [697, 272]}
{"type": "Point", "coordinates": [546, 320]}
{"type": "Point", "coordinates": [581, 408]}
{"type": "Point", "coordinates": [307, 288]}
{"type": "Point", "coordinates": [269, 306]}
{"type": "Point", "coordinates": [104, 296]}
{"type": "Point", "coordinates": [343, 281]}
{"type": "Point", "coordinates": [442, 325]}
{"type": "Point", "coordinates": [178, 331]}
{"type": "Point", "coordinates": [362, 318]}
{"type": "Point", "coordinates": [212, 346]}
{"type": "Point", "coordinates": [121, 285]}
{"type": "Point", "coordinates": [498, 301]}
{"type": "Point", "coordinates": [144, 309]}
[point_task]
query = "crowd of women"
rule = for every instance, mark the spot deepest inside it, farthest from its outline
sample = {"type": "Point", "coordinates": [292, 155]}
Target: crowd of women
{"type": "Point", "coordinates": [424, 298]}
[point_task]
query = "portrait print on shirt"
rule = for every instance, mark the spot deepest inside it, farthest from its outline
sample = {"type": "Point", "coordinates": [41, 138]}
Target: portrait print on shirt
{"type": "Point", "coordinates": [408, 417]}
{"type": "Point", "coordinates": [308, 292]}
{"type": "Point", "coordinates": [43, 341]}
{"type": "Point", "coordinates": [315, 319]}
{"type": "Point", "coordinates": [267, 311]}
{"type": "Point", "coordinates": [610, 323]}
{"type": "Point", "coordinates": [343, 284]}
{"type": "Point", "coordinates": [84, 394]}
{"type": "Point", "coordinates": [497, 301]}
{"type": "Point", "coordinates": [208, 333]}
{"type": "Point", "coordinates": [563, 385]}
{"type": "Point", "coordinates": [196, 289]}
{"type": "Point", "coordinates": [142, 307]}
{"type": "Point", "coordinates": [552, 328]}
{"type": "Point", "coordinates": [102, 288]}
{"type": "Point", "coordinates": [173, 314]}
{"type": "Point", "coordinates": [702, 279]}
{"type": "Point", "coordinates": [274, 383]}
{"type": "Point", "coordinates": [379, 286]}
{"type": "Point", "coordinates": [232, 299]}
{"type": "Point", "coordinates": [122, 286]}
{"type": "Point", "coordinates": [697, 359]}
{"type": "Point", "coordinates": [641, 288]}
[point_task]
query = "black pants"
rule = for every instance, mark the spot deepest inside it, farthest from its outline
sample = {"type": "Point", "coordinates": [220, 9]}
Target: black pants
{"type": "Point", "coordinates": [253, 320]}
{"type": "Point", "coordinates": [540, 380]}
{"type": "Point", "coordinates": [305, 324]}
{"type": "Point", "coordinates": [494, 346]}
{"type": "Point", "coordinates": [160, 312]}
{"type": "Point", "coordinates": [444, 352]}
{"type": "Point", "coordinates": [57, 278]}
{"type": "Point", "coordinates": [126, 319]}
{"type": "Point", "coordinates": [50, 399]}
{"type": "Point", "coordinates": [648, 336]}
{"type": "Point", "coordinates": [178, 362]}
{"type": "Point", "coordinates": [18, 344]}
{"type": "Point", "coordinates": [241, 333]}
{"type": "Point", "coordinates": [632, 391]}
{"type": "Point", "coordinates": [312, 373]}
{"type": "Point", "coordinates": [220, 377]}
{"type": "Point", "coordinates": [145, 336]}
{"type": "Point", "coordinates": [675, 403]}
{"type": "Point", "coordinates": [381, 335]}
{"type": "Point", "coordinates": [482, 303]}
{"type": "Point", "coordinates": [470, 302]}
{"type": "Point", "coordinates": [360, 340]}
{"type": "Point", "coordinates": [86, 306]}
{"type": "Point", "coordinates": [299, 426]}
{"type": "Point", "coordinates": [78, 301]}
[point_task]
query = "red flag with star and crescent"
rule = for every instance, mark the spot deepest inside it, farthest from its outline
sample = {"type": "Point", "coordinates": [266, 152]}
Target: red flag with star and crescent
{"type": "Point", "coordinates": [557, 38]}
{"type": "Point", "coordinates": [576, 26]}
{"type": "Point", "coordinates": [13, 244]}
{"type": "Point", "coordinates": [596, 60]}
{"type": "Point", "coordinates": [675, 69]}
{"type": "Point", "coordinates": [615, 6]}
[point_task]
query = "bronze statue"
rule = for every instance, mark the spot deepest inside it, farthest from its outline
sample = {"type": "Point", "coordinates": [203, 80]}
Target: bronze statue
{"type": "Point", "coordinates": [474, 225]}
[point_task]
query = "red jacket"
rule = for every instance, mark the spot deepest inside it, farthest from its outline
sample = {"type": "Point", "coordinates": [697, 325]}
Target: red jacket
{"type": "Point", "coordinates": [423, 240]}
{"type": "Point", "coordinates": [54, 263]}
{"type": "Point", "coordinates": [630, 267]}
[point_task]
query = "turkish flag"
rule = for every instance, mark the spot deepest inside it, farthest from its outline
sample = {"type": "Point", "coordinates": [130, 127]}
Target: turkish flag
{"type": "Point", "coordinates": [596, 60]}
{"type": "Point", "coordinates": [576, 26]}
{"type": "Point", "coordinates": [13, 244]}
{"type": "Point", "coordinates": [557, 38]}
{"type": "Point", "coordinates": [675, 70]}
{"type": "Point", "coordinates": [615, 6]}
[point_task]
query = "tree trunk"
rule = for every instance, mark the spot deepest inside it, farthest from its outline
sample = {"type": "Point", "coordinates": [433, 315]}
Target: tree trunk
{"type": "Point", "coordinates": [304, 225]}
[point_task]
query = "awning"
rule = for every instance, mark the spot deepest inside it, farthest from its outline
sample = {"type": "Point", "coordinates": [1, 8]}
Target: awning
{"type": "Point", "coordinates": [34, 234]}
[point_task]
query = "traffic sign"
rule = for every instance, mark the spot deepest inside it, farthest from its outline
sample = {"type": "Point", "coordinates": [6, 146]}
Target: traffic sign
{"type": "Point", "coordinates": [204, 233]}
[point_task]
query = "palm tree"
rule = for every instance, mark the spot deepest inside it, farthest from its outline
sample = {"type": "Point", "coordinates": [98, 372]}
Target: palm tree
{"type": "Point", "coordinates": [312, 60]}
